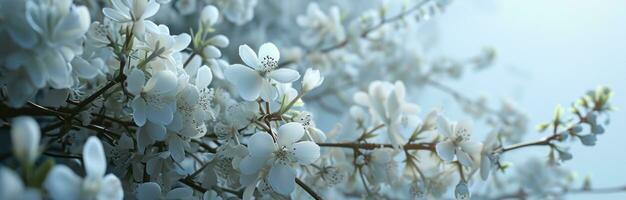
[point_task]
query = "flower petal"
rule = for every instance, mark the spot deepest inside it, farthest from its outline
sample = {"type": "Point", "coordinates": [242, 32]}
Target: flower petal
{"type": "Point", "coordinates": [269, 50]}
{"type": "Point", "coordinates": [180, 193]}
{"type": "Point", "coordinates": [139, 111]}
{"type": "Point", "coordinates": [112, 188]}
{"type": "Point", "coordinates": [209, 15]}
{"type": "Point", "coordinates": [485, 167]}
{"type": "Point", "coordinates": [62, 183]}
{"type": "Point", "coordinates": [285, 75]}
{"type": "Point", "coordinates": [156, 131]}
{"type": "Point", "coordinates": [289, 133]}
{"type": "Point", "coordinates": [471, 147]}
{"type": "Point", "coordinates": [445, 150]}
{"type": "Point", "coordinates": [148, 190]}
{"type": "Point", "coordinates": [93, 158]}
{"type": "Point", "coordinates": [261, 145]}
{"type": "Point", "coordinates": [268, 91]}
{"type": "Point", "coordinates": [443, 126]}
{"type": "Point", "coordinates": [281, 178]}
{"type": "Point", "coordinates": [204, 77]}
{"type": "Point", "coordinates": [135, 81]}
{"type": "Point", "coordinates": [116, 15]}
{"type": "Point", "coordinates": [162, 82]}
{"type": "Point", "coordinates": [464, 158]}
{"type": "Point", "coordinates": [250, 166]}
{"type": "Point", "coordinates": [177, 147]}
{"type": "Point", "coordinates": [25, 135]}
{"type": "Point", "coordinates": [249, 57]}
{"type": "Point", "coordinates": [306, 152]}
{"type": "Point", "coordinates": [246, 80]}
{"type": "Point", "coordinates": [12, 185]}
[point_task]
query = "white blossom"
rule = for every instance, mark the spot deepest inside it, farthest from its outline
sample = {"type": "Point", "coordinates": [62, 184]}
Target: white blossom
{"type": "Point", "coordinates": [282, 156]}
{"type": "Point", "coordinates": [321, 27]}
{"type": "Point", "coordinates": [457, 142]}
{"type": "Point", "coordinates": [134, 12]}
{"type": "Point", "coordinates": [254, 80]}
{"type": "Point", "coordinates": [155, 100]}
{"type": "Point", "coordinates": [63, 183]}
{"type": "Point", "coordinates": [14, 188]}
{"type": "Point", "coordinates": [236, 11]}
{"type": "Point", "coordinates": [48, 35]}
{"type": "Point", "coordinates": [25, 137]}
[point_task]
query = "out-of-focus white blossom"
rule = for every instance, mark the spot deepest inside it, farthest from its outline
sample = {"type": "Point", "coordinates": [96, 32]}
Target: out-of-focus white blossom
{"type": "Point", "coordinates": [152, 190]}
{"type": "Point", "coordinates": [320, 27]}
{"type": "Point", "coordinates": [236, 11]}
{"type": "Point", "coordinates": [14, 188]}
{"type": "Point", "coordinates": [25, 136]}
{"type": "Point", "coordinates": [63, 183]}
{"type": "Point", "coordinates": [48, 35]}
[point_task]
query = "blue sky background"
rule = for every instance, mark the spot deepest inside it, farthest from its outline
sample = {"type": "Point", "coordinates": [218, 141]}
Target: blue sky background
{"type": "Point", "coordinates": [548, 53]}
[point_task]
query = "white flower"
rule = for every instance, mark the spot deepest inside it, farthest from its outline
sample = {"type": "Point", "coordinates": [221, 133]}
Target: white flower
{"type": "Point", "coordinates": [320, 27]}
{"type": "Point", "coordinates": [489, 157]}
{"type": "Point", "coordinates": [63, 183]}
{"type": "Point", "coordinates": [282, 156]}
{"type": "Point", "coordinates": [236, 11]}
{"type": "Point", "coordinates": [14, 188]}
{"type": "Point", "coordinates": [307, 122]}
{"type": "Point", "coordinates": [311, 79]}
{"type": "Point", "coordinates": [47, 36]}
{"type": "Point", "coordinates": [132, 11]}
{"type": "Point", "coordinates": [457, 142]}
{"type": "Point", "coordinates": [156, 100]}
{"type": "Point", "coordinates": [152, 190]}
{"type": "Point", "coordinates": [25, 136]}
{"type": "Point", "coordinates": [159, 40]}
{"type": "Point", "coordinates": [387, 105]}
{"type": "Point", "coordinates": [192, 110]}
{"type": "Point", "coordinates": [254, 80]}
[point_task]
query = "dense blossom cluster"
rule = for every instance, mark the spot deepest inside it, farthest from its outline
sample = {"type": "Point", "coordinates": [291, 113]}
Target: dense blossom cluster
{"type": "Point", "coordinates": [168, 99]}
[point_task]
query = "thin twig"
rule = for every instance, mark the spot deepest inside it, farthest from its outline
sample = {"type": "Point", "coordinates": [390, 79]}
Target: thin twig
{"type": "Point", "coordinates": [308, 189]}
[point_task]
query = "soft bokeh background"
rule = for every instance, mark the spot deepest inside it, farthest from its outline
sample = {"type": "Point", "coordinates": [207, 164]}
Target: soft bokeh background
{"type": "Point", "coordinates": [548, 53]}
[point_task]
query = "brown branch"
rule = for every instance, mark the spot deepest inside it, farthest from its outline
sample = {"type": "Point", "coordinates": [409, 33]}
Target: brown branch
{"type": "Point", "coordinates": [308, 189]}
{"type": "Point", "coordinates": [369, 146]}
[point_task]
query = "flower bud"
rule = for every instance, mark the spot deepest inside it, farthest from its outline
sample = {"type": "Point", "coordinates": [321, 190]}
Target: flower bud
{"type": "Point", "coordinates": [597, 129]}
{"type": "Point", "coordinates": [311, 80]}
{"type": "Point", "coordinates": [461, 192]}
{"type": "Point", "coordinates": [220, 41]}
{"type": "Point", "coordinates": [211, 52]}
{"type": "Point", "coordinates": [209, 15]}
{"type": "Point", "coordinates": [25, 135]}
{"type": "Point", "coordinates": [576, 129]}
{"type": "Point", "coordinates": [588, 140]}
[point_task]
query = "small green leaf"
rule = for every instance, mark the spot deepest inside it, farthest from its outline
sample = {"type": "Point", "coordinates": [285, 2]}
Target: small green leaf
{"type": "Point", "coordinates": [41, 173]}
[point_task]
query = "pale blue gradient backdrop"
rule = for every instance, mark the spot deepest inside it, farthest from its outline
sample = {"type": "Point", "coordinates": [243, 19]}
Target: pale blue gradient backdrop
{"type": "Point", "coordinates": [548, 53]}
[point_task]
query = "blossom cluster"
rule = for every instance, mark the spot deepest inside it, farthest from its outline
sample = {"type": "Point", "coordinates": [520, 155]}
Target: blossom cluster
{"type": "Point", "coordinates": [216, 99]}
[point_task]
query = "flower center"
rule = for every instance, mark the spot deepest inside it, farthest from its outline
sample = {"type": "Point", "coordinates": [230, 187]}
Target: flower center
{"type": "Point", "coordinates": [268, 64]}
{"type": "Point", "coordinates": [283, 156]}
